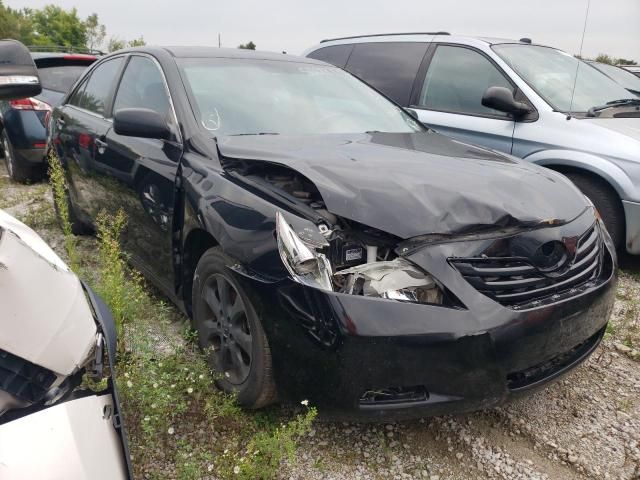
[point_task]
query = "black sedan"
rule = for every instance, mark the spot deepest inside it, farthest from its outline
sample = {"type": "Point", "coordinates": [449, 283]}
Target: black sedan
{"type": "Point", "coordinates": [23, 122]}
{"type": "Point", "coordinates": [327, 246]}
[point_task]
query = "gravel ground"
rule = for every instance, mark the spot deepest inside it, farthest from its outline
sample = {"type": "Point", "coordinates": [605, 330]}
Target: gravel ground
{"type": "Point", "coordinates": [586, 426]}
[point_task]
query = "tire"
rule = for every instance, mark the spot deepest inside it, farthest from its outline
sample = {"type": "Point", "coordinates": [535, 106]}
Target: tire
{"type": "Point", "coordinates": [606, 201]}
{"type": "Point", "coordinates": [18, 171]}
{"type": "Point", "coordinates": [230, 332]}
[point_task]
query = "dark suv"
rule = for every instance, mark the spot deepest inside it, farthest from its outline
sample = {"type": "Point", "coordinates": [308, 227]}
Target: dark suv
{"type": "Point", "coordinates": [23, 122]}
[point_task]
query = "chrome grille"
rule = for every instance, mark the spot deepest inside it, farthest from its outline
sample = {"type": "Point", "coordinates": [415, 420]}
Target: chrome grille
{"type": "Point", "coordinates": [514, 281]}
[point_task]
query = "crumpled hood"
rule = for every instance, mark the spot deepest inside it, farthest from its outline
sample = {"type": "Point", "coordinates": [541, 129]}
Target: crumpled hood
{"type": "Point", "coordinates": [410, 184]}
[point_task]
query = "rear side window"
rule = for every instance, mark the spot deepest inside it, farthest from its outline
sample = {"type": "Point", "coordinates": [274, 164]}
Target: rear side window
{"type": "Point", "coordinates": [99, 86]}
{"type": "Point", "coordinates": [336, 55]}
{"type": "Point", "coordinates": [390, 67]}
{"type": "Point", "coordinates": [142, 86]}
{"type": "Point", "coordinates": [457, 79]}
{"type": "Point", "coordinates": [60, 78]}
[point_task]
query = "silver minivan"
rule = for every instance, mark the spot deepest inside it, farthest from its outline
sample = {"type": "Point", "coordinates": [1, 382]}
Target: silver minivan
{"type": "Point", "coordinates": [532, 101]}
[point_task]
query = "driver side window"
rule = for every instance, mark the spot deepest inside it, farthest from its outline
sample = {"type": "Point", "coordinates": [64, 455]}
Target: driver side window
{"type": "Point", "coordinates": [456, 81]}
{"type": "Point", "coordinates": [142, 86]}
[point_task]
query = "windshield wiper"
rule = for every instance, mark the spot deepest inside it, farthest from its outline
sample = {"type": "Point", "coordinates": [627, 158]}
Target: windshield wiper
{"type": "Point", "coordinates": [257, 133]}
{"type": "Point", "coordinates": [615, 103]}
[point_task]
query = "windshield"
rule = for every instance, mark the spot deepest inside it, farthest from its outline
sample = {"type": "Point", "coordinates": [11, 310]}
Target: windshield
{"type": "Point", "coordinates": [245, 97]}
{"type": "Point", "coordinates": [60, 78]}
{"type": "Point", "coordinates": [625, 78]}
{"type": "Point", "coordinates": [552, 73]}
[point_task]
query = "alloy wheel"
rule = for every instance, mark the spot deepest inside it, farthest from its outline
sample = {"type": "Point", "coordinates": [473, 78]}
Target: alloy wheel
{"type": "Point", "coordinates": [224, 331]}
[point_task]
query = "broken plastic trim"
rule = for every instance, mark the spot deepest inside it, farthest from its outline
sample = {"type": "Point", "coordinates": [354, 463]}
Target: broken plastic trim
{"type": "Point", "coordinates": [395, 280]}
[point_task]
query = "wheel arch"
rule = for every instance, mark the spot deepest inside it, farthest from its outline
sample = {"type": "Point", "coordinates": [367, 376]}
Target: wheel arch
{"type": "Point", "coordinates": [568, 161]}
{"type": "Point", "coordinates": [196, 242]}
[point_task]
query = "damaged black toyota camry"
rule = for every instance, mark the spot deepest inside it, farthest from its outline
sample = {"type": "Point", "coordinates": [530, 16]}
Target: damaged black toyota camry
{"type": "Point", "coordinates": [325, 244]}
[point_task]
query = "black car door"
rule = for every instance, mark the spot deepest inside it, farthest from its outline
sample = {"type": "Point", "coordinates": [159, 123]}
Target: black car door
{"type": "Point", "coordinates": [143, 171]}
{"type": "Point", "coordinates": [79, 127]}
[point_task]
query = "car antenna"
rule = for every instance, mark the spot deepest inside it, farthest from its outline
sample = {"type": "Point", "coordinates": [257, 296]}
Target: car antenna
{"type": "Point", "coordinates": [575, 78]}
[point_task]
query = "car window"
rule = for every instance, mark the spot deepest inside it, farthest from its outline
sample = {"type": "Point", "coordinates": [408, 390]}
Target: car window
{"type": "Point", "coordinates": [76, 98]}
{"type": "Point", "coordinates": [625, 78]}
{"type": "Point", "coordinates": [566, 83]}
{"type": "Point", "coordinates": [142, 86]}
{"type": "Point", "coordinates": [336, 55]}
{"type": "Point", "coordinates": [457, 79]}
{"type": "Point", "coordinates": [99, 86]}
{"type": "Point", "coordinates": [60, 78]}
{"type": "Point", "coordinates": [251, 97]}
{"type": "Point", "coordinates": [391, 67]}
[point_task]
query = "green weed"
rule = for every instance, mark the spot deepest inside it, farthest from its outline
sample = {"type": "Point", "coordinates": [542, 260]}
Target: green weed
{"type": "Point", "coordinates": [60, 199]}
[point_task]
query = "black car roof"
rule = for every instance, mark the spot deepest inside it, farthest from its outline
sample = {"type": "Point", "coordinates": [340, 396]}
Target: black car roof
{"type": "Point", "coordinates": [215, 52]}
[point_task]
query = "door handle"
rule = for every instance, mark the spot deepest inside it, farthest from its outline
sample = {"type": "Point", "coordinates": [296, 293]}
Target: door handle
{"type": "Point", "coordinates": [100, 145]}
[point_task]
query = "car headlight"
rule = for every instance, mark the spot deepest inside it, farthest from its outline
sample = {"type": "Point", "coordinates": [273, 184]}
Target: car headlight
{"type": "Point", "coordinates": [396, 279]}
{"type": "Point", "coordinates": [305, 265]}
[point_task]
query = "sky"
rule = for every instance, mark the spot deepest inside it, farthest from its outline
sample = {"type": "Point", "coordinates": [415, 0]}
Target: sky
{"type": "Point", "coordinates": [613, 26]}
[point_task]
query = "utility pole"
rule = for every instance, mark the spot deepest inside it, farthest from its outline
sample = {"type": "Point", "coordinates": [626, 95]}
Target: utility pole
{"type": "Point", "coordinates": [219, 42]}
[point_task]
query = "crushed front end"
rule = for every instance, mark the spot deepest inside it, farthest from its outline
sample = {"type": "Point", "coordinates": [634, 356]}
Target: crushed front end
{"type": "Point", "coordinates": [368, 325]}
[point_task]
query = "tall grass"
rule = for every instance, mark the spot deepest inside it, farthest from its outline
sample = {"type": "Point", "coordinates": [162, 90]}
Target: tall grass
{"type": "Point", "coordinates": [170, 404]}
{"type": "Point", "coordinates": [61, 204]}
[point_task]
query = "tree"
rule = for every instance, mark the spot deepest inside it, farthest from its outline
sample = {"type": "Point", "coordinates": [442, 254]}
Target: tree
{"type": "Point", "coordinates": [117, 43]}
{"type": "Point", "coordinates": [114, 44]}
{"type": "Point", "coordinates": [15, 24]}
{"type": "Point", "coordinates": [137, 42]}
{"type": "Point", "coordinates": [248, 46]}
{"type": "Point", "coordinates": [604, 58]}
{"type": "Point", "coordinates": [52, 25]}
{"type": "Point", "coordinates": [96, 32]}
{"type": "Point", "coordinates": [624, 61]}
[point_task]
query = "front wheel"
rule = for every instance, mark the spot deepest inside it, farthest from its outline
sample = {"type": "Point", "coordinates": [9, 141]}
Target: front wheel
{"type": "Point", "coordinates": [606, 201]}
{"type": "Point", "coordinates": [230, 332]}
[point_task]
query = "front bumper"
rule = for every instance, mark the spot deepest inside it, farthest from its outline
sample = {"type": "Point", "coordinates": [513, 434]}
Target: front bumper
{"type": "Point", "coordinates": [336, 349]}
{"type": "Point", "coordinates": [632, 215]}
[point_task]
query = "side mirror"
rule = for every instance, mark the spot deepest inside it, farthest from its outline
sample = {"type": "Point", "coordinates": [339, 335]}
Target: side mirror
{"type": "Point", "coordinates": [141, 122]}
{"type": "Point", "coordinates": [18, 74]}
{"type": "Point", "coordinates": [501, 98]}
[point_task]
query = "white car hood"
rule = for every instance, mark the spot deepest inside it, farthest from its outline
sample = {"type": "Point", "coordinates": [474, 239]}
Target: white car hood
{"type": "Point", "coordinates": [45, 317]}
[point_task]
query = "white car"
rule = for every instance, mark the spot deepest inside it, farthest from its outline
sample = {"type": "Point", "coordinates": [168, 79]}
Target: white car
{"type": "Point", "coordinates": [53, 330]}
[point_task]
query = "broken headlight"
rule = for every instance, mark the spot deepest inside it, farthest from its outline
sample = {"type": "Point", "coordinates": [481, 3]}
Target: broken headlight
{"type": "Point", "coordinates": [303, 263]}
{"type": "Point", "coordinates": [396, 279]}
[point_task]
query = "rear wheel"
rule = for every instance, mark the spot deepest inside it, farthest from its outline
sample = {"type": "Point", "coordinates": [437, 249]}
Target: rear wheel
{"type": "Point", "coordinates": [606, 201]}
{"type": "Point", "coordinates": [230, 332]}
{"type": "Point", "coordinates": [16, 169]}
